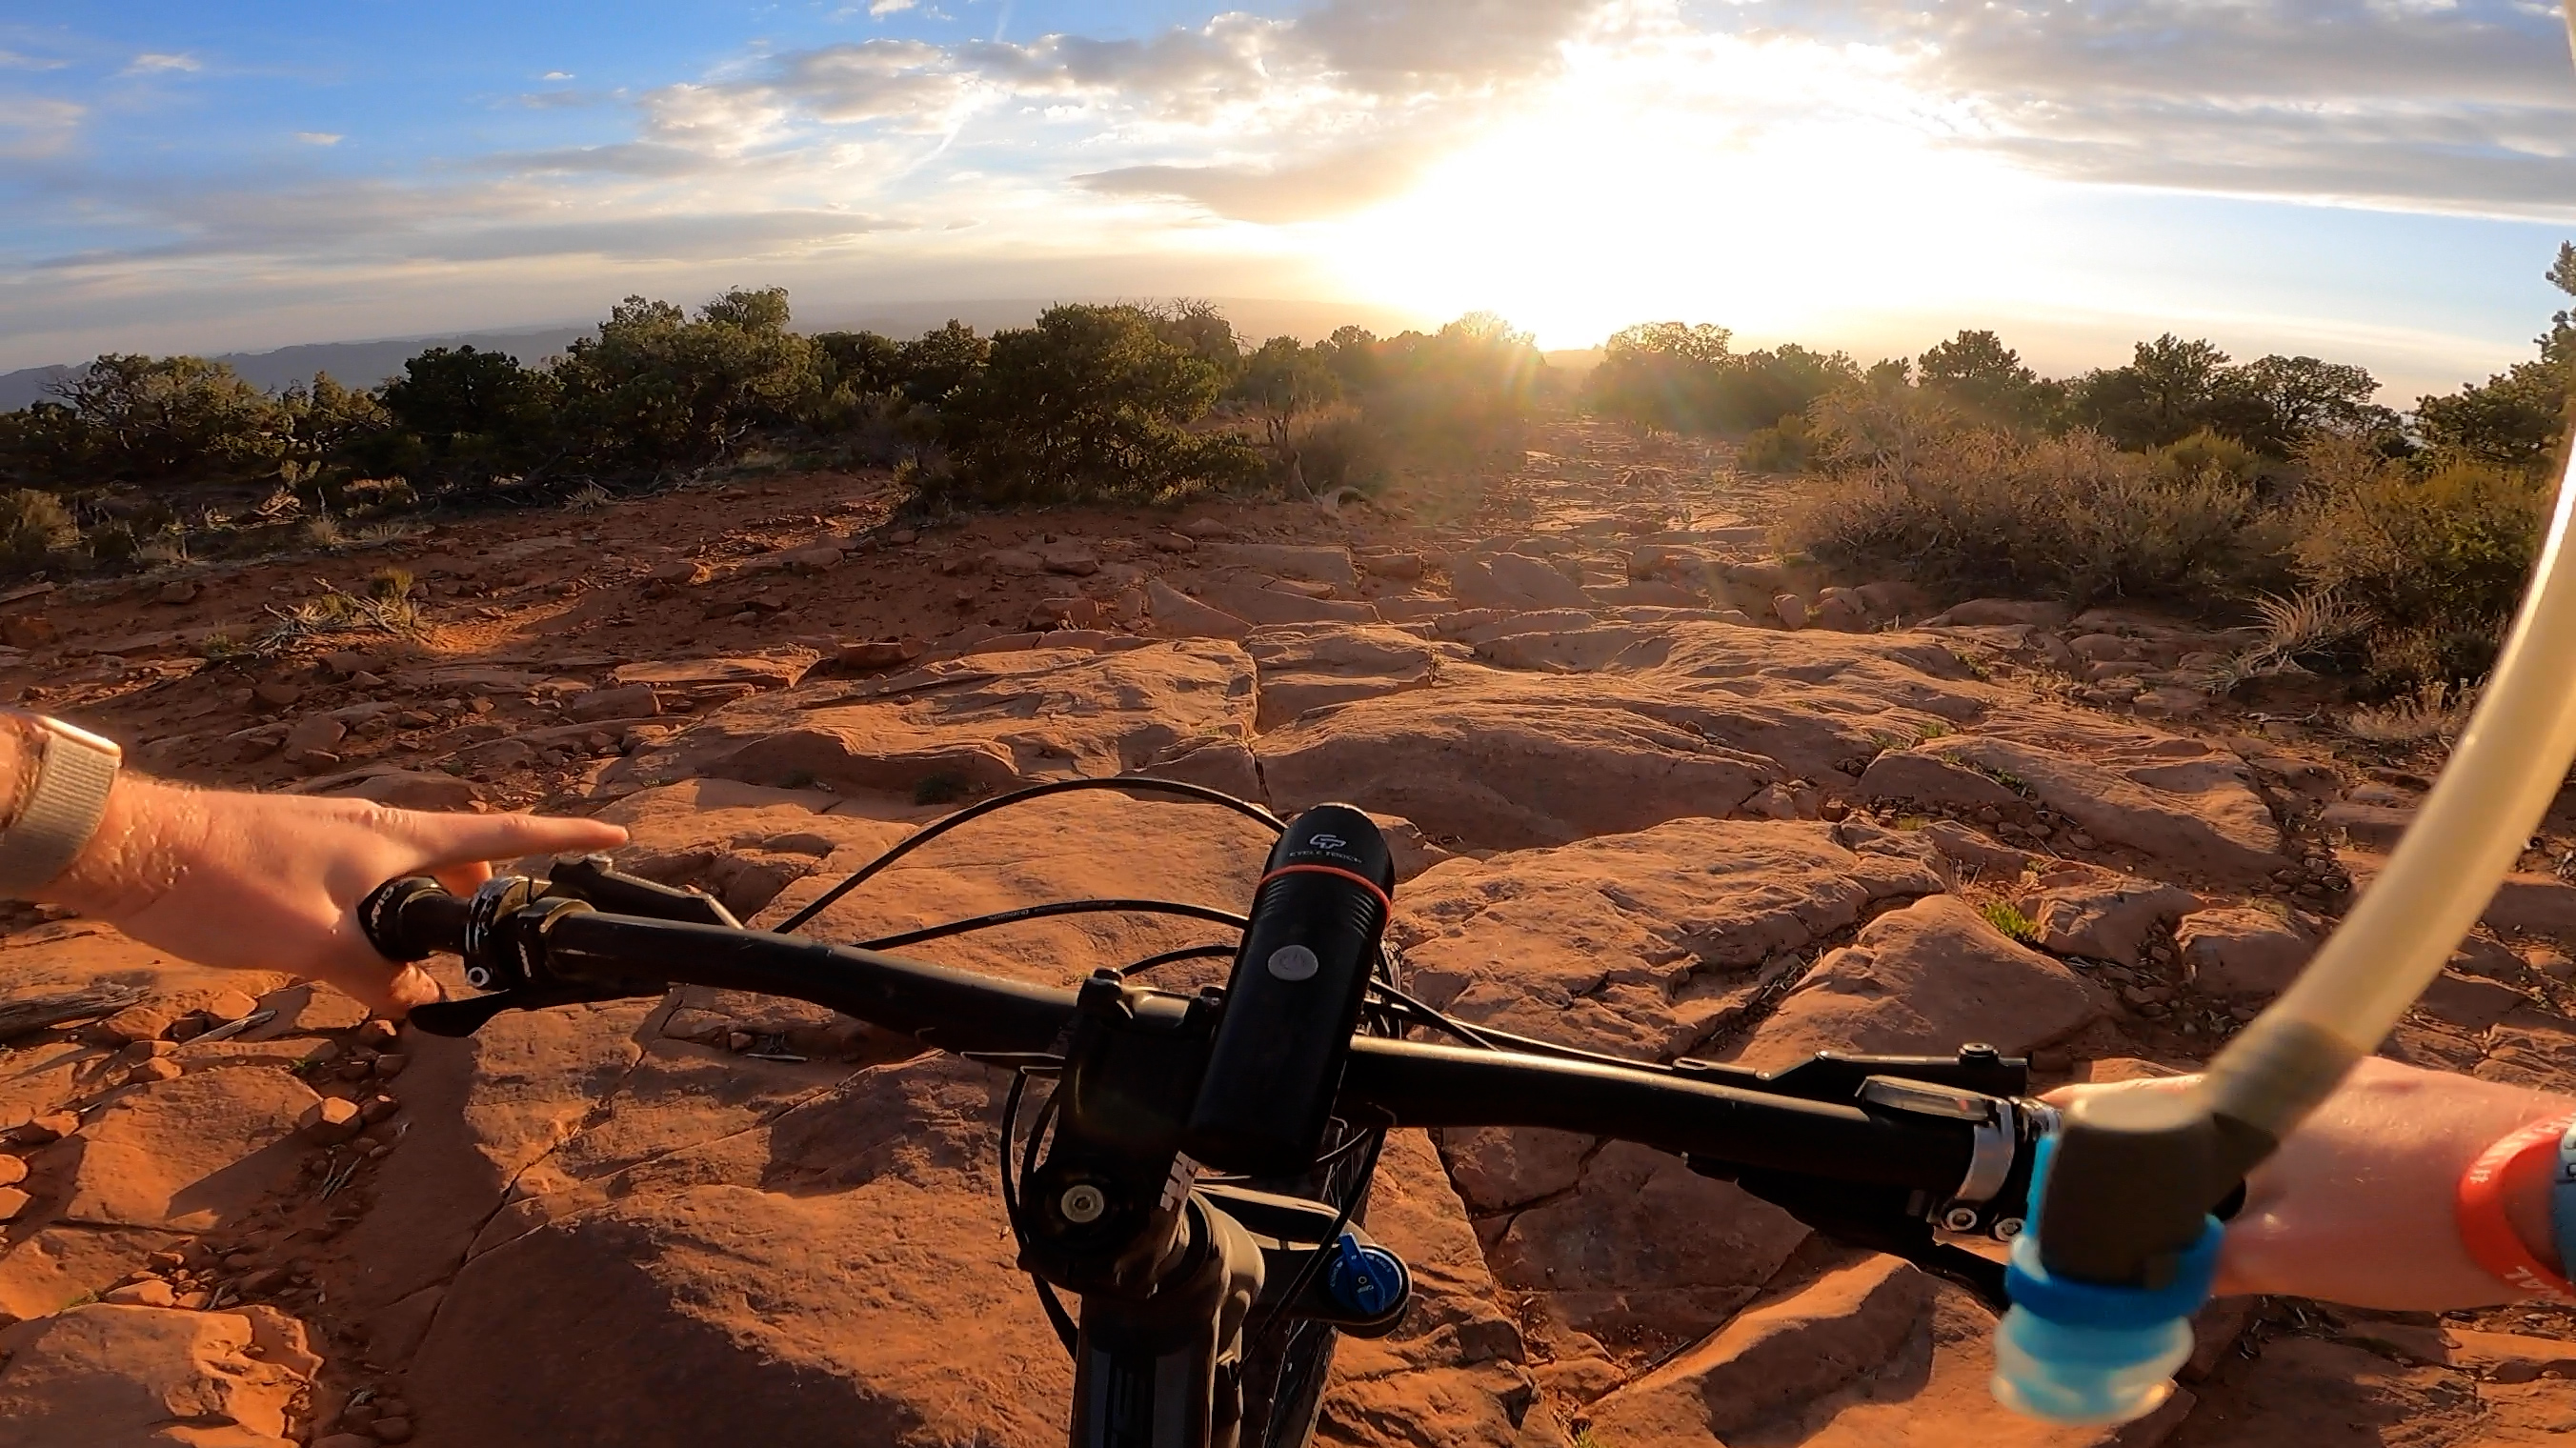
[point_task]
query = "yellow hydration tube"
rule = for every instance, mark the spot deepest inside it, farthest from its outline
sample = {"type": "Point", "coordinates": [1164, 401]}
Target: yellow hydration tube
{"type": "Point", "coordinates": [2507, 768]}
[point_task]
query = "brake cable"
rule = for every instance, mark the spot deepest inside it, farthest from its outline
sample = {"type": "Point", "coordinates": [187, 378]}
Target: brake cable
{"type": "Point", "coordinates": [1125, 784]}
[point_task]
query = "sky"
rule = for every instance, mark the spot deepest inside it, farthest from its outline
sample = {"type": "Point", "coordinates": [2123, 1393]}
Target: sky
{"type": "Point", "coordinates": [2377, 181]}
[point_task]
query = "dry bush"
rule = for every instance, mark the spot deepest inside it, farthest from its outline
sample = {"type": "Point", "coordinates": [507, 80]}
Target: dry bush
{"type": "Point", "coordinates": [2435, 710]}
{"type": "Point", "coordinates": [2299, 635]}
{"type": "Point", "coordinates": [1984, 511]}
{"type": "Point", "coordinates": [33, 524]}
{"type": "Point", "coordinates": [1333, 448]}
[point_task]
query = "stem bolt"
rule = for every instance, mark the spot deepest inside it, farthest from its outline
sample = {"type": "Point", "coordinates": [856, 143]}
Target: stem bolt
{"type": "Point", "coordinates": [1082, 1204]}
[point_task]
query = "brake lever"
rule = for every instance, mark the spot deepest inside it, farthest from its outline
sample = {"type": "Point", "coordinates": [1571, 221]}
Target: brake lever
{"type": "Point", "coordinates": [1828, 1207]}
{"type": "Point", "coordinates": [596, 880]}
{"type": "Point", "coordinates": [459, 1018]}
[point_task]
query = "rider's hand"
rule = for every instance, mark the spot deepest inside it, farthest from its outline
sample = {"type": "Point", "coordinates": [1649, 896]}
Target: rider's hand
{"type": "Point", "coordinates": [2356, 1206]}
{"type": "Point", "coordinates": [272, 882]}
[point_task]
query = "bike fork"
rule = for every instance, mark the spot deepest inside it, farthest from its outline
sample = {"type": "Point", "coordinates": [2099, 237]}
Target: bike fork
{"type": "Point", "coordinates": [1166, 1371]}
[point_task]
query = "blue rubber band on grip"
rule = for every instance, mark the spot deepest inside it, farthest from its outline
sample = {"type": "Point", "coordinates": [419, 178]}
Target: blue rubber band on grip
{"type": "Point", "coordinates": [2085, 1304]}
{"type": "Point", "coordinates": [2562, 1202]}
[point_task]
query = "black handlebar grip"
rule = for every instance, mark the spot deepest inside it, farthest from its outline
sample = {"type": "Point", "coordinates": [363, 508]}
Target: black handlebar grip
{"type": "Point", "coordinates": [1294, 996]}
{"type": "Point", "coordinates": [413, 917]}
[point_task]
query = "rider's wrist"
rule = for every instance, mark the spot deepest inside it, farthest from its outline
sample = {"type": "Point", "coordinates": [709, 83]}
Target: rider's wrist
{"type": "Point", "coordinates": [134, 857]}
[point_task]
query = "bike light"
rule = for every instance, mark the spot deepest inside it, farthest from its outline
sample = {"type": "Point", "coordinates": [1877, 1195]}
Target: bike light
{"type": "Point", "coordinates": [1294, 996]}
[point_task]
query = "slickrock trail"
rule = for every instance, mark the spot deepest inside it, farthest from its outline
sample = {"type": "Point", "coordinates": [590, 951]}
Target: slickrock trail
{"type": "Point", "coordinates": [1656, 793]}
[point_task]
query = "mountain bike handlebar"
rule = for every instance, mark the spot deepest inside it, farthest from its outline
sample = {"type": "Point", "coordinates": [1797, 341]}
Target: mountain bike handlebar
{"type": "Point", "coordinates": [1878, 1151]}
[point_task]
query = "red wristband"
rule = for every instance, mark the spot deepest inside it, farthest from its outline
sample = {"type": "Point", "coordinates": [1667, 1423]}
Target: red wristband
{"type": "Point", "coordinates": [2484, 1228]}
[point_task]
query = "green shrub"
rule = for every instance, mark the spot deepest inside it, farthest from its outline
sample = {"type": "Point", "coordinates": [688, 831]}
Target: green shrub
{"type": "Point", "coordinates": [1458, 397]}
{"type": "Point", "coordinates": [1986, 380]}
{"type": "Point", "coordinates": [2440, 558]}
{"type": "Point", "coordinates": [1786, 448]}
{"type": "Point", "coordinates": [33, 524]}
{"type": "Point", "coordinates": [1091, 404]}
{"type": "Point", "coordinates": [113, 542]}
{"type": "Point", "coordinates": [1686, 378]}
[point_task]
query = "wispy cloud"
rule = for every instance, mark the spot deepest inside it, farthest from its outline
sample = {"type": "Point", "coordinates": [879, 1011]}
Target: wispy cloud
{"type": "Point", "coordinates": [153, 62]}
{"type": "Point", "coordinates": [15, 60]}
{"type": "Point", "coordinates": [33, 127]}
{"type": "Point", "coordinates": [320, 138]}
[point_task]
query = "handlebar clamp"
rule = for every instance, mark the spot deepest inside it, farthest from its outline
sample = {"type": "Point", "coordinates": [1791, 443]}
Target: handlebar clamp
{"type": "Point", "coordinates": [1989, 1198]}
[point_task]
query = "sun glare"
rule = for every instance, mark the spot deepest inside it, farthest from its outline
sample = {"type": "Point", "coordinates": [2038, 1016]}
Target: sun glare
{"type": "Point", "coordinates": [1754, 185]}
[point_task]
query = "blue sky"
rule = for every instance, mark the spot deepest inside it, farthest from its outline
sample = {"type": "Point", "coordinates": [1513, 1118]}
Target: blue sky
{"type": "Point", "coordinates": [2373, 180]}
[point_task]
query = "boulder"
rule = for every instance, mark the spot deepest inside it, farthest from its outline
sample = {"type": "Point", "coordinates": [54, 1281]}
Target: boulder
{"type": "Point", "coordinates": [112, 1375]}
{"type": "Point", "coordinates": [2188, 806]}
{"type": "Point", "coordinates": [1933, 779]}
{"type": "Point", "coordinates": [1993, 611]}
{"type": "Point", "coordinates": [1258, 605]}
{"type": "Point", "coordinates": [314, 732]}
{"type": "Point", "coordinates": [1314, 666]}
{"type": "Point", "coordinates": [874, 1301]}
{"type": "Point", "coordinates": [1646, 944]}
{"type": "Point", "coordinates": [1070, 558]}
{"type": "Point", "coordinates": [629, 701]}
{"type": "Point", "coordinates": [1177, 615]}
{"type": "Point", "coordinates": [1773, 1359]}
{"type": "Point", "coordinates": [2102, 914]}
{"type": "Point", "coordinates": [1926, 979]}
{"type": "Point", "coordinates": [1608, 1262]}
{"type": "Point", "coordinates": [1980, 853]}
{"type": "Point", "coordinates": [973, 725]}
{"type": "Point", "coordinates": [401, 788]}
{"type": "Point", "coordinates": [723, 675]}
{"type": "Point", "coordinates": [1501, 776]}
{"type": "Point", "coordinates": [1321, 565]}
{"type": "Point", "coordinates": [1512, 581]}
{"type": "Point", "coordinates": [2242, 952]}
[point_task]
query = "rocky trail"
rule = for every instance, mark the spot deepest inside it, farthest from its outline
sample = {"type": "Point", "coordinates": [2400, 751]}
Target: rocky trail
{"type": "Point", "coordinates": [1656, 791]}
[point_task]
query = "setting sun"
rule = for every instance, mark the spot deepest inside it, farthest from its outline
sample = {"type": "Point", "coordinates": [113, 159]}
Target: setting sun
{"type": "Point", "coordinates": [1628, 193]}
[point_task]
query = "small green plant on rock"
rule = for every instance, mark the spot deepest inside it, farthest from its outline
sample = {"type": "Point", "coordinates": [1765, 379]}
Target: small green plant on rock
{"type": "Point", "coordinates": [2007, 919]}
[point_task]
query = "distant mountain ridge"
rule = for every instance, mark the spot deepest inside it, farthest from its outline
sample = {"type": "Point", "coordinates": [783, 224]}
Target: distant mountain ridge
{"type": "Point", "coordinates": [359, 364]}
{"type": "Point", "coordinates": [364, 364]}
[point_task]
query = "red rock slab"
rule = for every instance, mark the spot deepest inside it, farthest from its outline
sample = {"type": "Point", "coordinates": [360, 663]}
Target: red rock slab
{"type": "Point", "coordinates": [189, 1153]}
{"type": "Point", "coordinates": [1924, 979]}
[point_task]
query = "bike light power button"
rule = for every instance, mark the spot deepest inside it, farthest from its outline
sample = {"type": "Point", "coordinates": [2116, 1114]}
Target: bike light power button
{"type": "Point", "coordinates": [1294, 962]}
